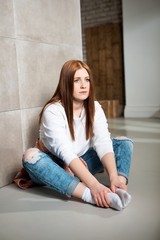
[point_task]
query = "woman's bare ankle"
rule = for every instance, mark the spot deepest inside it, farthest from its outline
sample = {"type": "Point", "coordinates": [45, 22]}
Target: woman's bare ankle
{"type": "Point", "coordinates": [79, 190]}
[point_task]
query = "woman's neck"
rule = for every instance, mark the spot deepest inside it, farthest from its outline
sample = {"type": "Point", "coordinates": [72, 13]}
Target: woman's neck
{"type": "Point", "coordinates": [77, 108]}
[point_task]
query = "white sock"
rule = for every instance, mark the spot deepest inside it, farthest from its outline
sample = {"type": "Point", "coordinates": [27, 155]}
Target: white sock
{"type": "Point", "coordinates": [87, 197]}
{"type": "Point", "coordinates": [124, 196]}
{"type": "Point", "coordinates": [115, 201]}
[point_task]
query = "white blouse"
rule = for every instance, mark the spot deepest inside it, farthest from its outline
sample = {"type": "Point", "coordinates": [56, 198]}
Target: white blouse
{"type": "Point", "coordinates": [55, 134]}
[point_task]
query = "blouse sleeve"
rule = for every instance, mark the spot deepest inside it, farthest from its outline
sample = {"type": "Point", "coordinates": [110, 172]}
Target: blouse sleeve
{"type": "Point", "coordinates": [102, 142]}
{"type": "Point", "coordinates": [55, 135]}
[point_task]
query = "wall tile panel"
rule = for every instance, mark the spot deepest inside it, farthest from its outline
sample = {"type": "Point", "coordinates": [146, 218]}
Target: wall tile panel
{"type": "Point", "coordinates": [9, 91]}
{"type": "Point", "coordinates": [30, 126]}
{"type": "Point", "coordinates": [42, 21]}
{"type": "Point", "coordinates": [6, 18]}
{"type": "Point", "coordinates": [39, 66]}
{"type": "Point", "coordinates": [11, 145]}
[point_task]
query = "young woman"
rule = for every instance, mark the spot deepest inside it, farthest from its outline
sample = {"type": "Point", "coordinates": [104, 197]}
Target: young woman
{"type": "Point", "coordinates": [74, 144]}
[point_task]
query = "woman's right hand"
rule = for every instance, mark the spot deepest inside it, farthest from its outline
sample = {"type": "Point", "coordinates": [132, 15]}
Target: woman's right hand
{"type": "Point", "coordinates": [100, 195]}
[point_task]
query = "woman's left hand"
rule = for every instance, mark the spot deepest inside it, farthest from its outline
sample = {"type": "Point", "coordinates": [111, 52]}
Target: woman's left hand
{"type": "Point", "coordinates": [117, 182]}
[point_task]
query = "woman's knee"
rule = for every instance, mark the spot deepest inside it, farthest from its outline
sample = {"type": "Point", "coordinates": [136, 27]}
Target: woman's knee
{"type": "Point", "coordinates": [122, 138]}
{"type": "Point", "coordinates": [32, 155]}
{"type": "Point", "coordinates": [125, 141]}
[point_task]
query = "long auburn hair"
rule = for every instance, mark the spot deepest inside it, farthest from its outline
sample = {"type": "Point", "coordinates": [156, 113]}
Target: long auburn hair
{"type": "Point", "coordinates": [64, 94]}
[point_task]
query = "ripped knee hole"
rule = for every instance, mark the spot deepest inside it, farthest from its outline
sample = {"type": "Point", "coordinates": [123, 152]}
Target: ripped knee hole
{"type": "Point", "coordinates": [31, 155]}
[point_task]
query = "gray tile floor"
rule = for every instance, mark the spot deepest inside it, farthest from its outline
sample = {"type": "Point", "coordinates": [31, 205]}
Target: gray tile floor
{"type": "Point", "coordinates": [40, 213]}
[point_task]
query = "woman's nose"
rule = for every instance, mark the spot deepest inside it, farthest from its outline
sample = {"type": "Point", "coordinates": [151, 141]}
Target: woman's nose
{"type": "Point", "coordinates": [83, 85]}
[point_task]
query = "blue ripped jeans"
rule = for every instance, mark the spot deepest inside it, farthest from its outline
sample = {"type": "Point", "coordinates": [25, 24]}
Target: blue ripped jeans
{"type": "Point", "coordinates": [46, 169]}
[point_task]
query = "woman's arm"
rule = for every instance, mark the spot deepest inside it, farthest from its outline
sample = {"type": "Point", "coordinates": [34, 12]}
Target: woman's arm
{"type": "Point", "coordinates": [103, 145]}
{"type": "Point", "coordinates": [101, 140]}
{"type": "Point", "coordinates": [54, 133]}
{"type": "Point", "coordinates": [109, 164]}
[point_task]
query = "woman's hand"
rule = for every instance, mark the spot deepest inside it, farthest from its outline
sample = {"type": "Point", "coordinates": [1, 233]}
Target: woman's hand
{"type": "Point", "coordinates": [100, 195]}
{"type": "Point", "coordinates": [118, 182]}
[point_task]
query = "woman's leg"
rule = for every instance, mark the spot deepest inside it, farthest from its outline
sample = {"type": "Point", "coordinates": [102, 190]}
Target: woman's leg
{"type": "Point", "coordinates": [123, 150]}
{"type": "Point", "coordinates": [93, 162]}
{"type": "Point", "coordinates": [43, 170]}
{"type": "Point", "coordinates": [118, 200]}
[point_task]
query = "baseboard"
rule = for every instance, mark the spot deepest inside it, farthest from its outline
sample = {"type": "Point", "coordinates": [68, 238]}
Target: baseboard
{"type": "Point", "coordinates": [142, 111]}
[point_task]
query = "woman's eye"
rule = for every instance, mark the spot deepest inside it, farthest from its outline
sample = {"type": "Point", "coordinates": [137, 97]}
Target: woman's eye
{"type": "Point", "coordinates": [87, 80]}
{"type": "Point", "coordinates": [76, 80]}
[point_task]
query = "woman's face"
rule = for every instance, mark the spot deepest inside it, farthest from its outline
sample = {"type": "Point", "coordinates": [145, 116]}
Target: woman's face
{"type": "Point", "coordinates": [81, 85]}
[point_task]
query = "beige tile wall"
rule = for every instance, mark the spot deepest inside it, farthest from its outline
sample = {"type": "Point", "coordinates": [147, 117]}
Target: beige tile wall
{"type": "Point", "coordinates": [36, 38]}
